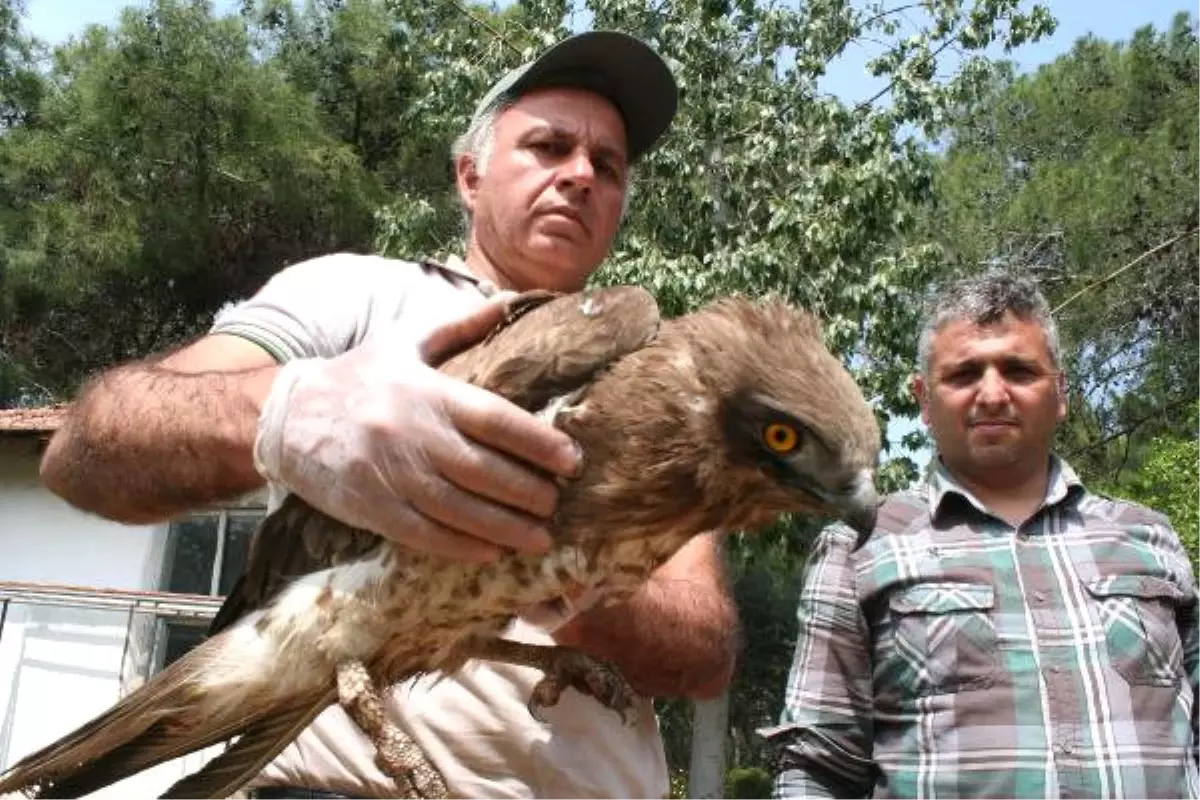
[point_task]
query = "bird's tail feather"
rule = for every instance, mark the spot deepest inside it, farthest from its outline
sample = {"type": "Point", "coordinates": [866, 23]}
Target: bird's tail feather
{"type": "Point", "coordinates": [40, 773]}
{"type": "Point", "coordinates": [160, 721]}
{"type": "Point", "coordinates": [256, 747]}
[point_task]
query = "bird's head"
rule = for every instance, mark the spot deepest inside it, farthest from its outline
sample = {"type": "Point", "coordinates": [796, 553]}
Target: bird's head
{"type": "Point", "coordinates": [799, 435]}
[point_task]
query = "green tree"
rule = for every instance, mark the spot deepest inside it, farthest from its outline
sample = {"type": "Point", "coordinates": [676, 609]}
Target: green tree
{"type": "Point", "coordinates": [21, 89]}
{"type": "Point", "coordinates": [1168, 481]}
{"type": "Point", "coordinates": [167, 172]}
{"type": "Point", "coordinates": [360, 69]}
{"type": "Point", "coordinates": [21, 86]}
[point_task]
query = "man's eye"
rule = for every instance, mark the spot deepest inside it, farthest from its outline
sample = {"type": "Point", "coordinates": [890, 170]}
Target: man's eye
{"type": "Point", "coordinates": [1020, 374]}
{"type": "Point", "coordinates": [550, 147]}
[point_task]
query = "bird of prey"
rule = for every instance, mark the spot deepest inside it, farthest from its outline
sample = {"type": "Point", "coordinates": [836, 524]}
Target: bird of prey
{"type": "Point", "coordinates": [718, 420]}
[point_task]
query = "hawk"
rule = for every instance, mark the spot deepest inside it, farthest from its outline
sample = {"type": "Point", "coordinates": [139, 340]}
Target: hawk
{"type": "Point", "coordinates": [719, 420]}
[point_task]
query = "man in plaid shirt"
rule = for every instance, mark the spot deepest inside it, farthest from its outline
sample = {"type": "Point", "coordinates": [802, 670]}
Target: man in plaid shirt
{"type": "Point", "coordinates": [1004, 632]}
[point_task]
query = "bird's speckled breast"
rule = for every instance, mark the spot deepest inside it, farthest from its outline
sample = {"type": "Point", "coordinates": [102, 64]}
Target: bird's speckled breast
{"type": "Point", "coordinates": [448, 604]}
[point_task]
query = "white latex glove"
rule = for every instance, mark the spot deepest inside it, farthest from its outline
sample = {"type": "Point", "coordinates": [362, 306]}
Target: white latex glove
{"type": "Point", "coordinates": [379, 439]}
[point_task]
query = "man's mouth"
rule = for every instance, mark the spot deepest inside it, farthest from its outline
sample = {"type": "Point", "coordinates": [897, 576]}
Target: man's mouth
{"type": "Point", "coordinates": [992, 425]}
{"type": "Point", "coordinates": [566, 213]}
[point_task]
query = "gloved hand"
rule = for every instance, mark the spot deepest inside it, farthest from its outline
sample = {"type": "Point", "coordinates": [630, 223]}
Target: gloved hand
{"type": "Point", "coordinates": [379, 439]}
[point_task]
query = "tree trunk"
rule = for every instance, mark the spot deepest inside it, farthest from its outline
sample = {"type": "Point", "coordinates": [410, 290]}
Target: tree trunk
{"type": "Point", "coordinates": [710, 721]}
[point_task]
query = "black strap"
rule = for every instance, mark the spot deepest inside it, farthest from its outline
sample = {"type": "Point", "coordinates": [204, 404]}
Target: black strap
{"type": "Point", "coordinates": [300, 792]}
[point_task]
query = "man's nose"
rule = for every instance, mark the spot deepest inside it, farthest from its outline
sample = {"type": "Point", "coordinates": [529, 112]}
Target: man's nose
{"type": "Point", "coordinates": [993, 390]}
{"type": "Point", "coordinates": [577, 170]}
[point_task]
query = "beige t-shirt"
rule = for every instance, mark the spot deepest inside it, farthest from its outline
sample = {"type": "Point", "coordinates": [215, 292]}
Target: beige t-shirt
{"type": "Point", "coordinates": [474, 726]}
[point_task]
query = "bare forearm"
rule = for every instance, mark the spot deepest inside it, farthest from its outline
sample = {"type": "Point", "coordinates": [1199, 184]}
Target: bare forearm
{"type": "Point", "coordinates": [672, 638]}
{"type": "Point", "coordinates": [144, 442]}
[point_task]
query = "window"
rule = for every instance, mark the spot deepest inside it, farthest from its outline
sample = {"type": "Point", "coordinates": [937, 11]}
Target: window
{"type": "Point", "coordinates": [206, 552]}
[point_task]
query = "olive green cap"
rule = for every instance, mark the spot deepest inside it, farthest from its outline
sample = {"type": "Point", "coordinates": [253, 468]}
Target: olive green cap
{"type": "Point", "coordinates": [615, 65]}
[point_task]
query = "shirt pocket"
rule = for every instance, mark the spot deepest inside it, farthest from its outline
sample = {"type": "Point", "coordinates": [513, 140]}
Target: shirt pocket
{"type": "Point", "coordinates": [1138, 615]}
{"type": "Point", "coordinates": [944, 637]}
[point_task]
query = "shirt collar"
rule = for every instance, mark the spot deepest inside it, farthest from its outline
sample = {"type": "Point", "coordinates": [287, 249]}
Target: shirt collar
{"type": "Point", "coordinates": [456, 266]}
{"type": "Point", "coordinates": [940, 484]}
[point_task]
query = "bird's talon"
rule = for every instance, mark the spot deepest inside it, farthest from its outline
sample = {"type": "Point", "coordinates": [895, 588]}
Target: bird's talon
{"type": "Point", "coordinates": [603, 682]}
{"type": "Point", "coordinates": [546, 693]}
{"type": "Point", "coordinates": [603, 687]}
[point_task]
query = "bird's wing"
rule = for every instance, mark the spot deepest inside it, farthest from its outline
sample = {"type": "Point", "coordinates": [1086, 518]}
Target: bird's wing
{"type": "Point", "coordinates": [559, 345]}
{"type": "Point", "coordinates": [548, 345]}
{"type": "Point", "coordinates": [293, 541]}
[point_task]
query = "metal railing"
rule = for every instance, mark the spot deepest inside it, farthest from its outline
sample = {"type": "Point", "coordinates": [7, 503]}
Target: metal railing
{"type": "Point", "coordinates": [46, 640]}
{"type": "Point", "coordinates": [194, 606]}
{"type": "Point", "coordinates": [155, 608]}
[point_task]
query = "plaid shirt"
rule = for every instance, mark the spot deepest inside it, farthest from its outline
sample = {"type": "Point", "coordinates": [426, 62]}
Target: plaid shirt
{"type": "Point", "coordinates": [953, 656]}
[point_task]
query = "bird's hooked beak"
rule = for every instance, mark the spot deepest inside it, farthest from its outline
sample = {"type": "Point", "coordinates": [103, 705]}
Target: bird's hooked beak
{"type": "Point", "coordinates": [856, 504]}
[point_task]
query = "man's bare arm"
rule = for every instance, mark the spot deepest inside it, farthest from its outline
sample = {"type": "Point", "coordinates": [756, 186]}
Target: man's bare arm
{"type": "Point", "coordinates": [150, 439]}
{"type": "Point", "coordinates": [678, 635]}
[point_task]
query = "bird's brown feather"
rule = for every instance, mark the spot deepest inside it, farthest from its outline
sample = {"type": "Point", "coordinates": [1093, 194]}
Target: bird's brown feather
{"type": "Point", "coordinates": [561, 347]}
{"type": "Point", "coordinates": [650, 405]}
{"type": "Point", "coordinates": [156, 723]}
{"type": "Point", "coordinates": [529, 359]}
{"type": "Point", "coordinates": [291, 544]}
{"type": "Point", "coordinates": [257, 746]}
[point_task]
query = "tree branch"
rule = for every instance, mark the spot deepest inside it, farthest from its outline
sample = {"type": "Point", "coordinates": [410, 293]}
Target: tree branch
{"type": "Point", "coordinates": [1124, 459]}
{"type": "Point", "coordinates": [738, 135]}
{"type": "Point", "coordinates": [495, 33]}
{"type": "Point", "coordinates": [887, 12]}
{"type": "Point", "coordinates": [1128, 429]}
{"type": "Point", "coordinates": [892, 84]}
{"type": "Point", "coordinates": [1118, 271]}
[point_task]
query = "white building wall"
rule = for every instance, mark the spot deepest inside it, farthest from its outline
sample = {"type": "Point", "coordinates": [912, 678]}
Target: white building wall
{"type": "Point", "coordinates": [44, 539]}
{"type": "Point", "coordinates": [61, 666]}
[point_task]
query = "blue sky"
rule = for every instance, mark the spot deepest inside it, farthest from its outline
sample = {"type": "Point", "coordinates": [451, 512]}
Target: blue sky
{"type": "Point", "coordinates": [55, 20]}
{"type": "Point", "coordinates": [1107, 19]}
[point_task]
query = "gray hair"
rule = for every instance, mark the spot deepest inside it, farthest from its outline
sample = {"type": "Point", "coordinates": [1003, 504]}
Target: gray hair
{"type": "Point", "coordinates": [984, 300]}
{"type": "Point", "coordinates": [477, 139]}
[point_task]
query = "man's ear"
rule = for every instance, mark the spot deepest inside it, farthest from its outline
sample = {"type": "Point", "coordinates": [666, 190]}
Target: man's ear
{"type": "Point", "coordinates": [1060, 382]}
{"type": "Point", "coordinates": [919, 389]}
{"type": "Point", "coordinates": [467, 178]}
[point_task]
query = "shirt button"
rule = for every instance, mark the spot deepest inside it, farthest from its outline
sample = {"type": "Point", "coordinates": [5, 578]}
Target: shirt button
{"type": "Point", "coordinates": [1055, 669]}
{"type": "Point", "coordinates": [1040, 596]}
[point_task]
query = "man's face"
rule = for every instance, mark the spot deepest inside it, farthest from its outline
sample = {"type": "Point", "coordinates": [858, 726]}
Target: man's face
{"type": "Point", "coordinates": [992, 398]}
{"type": "Point", "coordinates": [548, 202]}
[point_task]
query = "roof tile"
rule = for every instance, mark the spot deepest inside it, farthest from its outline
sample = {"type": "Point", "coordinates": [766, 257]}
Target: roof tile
{"type": "Point", "coordinates": [44, 419]}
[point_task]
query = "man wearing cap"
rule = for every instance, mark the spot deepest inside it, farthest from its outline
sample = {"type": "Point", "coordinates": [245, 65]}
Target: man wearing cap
{"type": "Point", "coordinates": [323, 384]}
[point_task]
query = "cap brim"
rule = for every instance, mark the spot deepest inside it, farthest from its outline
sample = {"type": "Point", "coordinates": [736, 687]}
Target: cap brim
{"type": "Point", "coordinates": [622, 68]}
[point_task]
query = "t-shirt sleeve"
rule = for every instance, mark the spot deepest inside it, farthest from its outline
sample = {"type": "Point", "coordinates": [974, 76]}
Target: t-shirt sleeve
{"type": "Point", "coordinates": [321, 307]}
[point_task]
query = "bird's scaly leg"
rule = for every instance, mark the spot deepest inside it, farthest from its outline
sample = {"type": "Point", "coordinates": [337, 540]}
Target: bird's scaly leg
{"type": "Point", "coordinates": [563, 667]}
{"type": "Point", "coordinates": [396, 753]}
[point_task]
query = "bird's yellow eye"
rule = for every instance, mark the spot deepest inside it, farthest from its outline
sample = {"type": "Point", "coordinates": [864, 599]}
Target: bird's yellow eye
{"type": "Point", "coordinates": [780, 437]}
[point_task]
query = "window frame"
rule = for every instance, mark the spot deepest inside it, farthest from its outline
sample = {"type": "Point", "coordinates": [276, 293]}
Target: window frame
{"type": "Point", "coordinates": [164, 623]}
{"type": "Point", "coordinates": [216, 571]}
